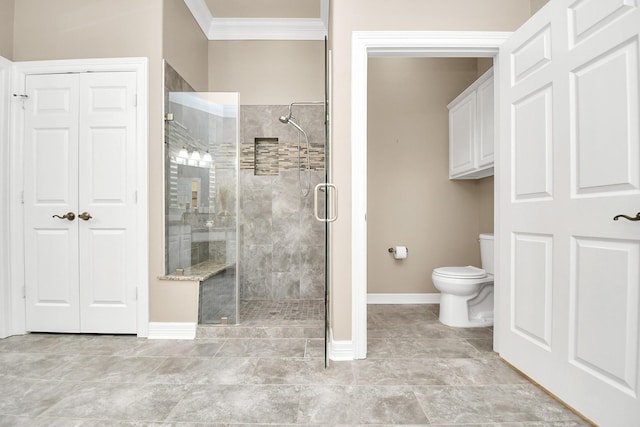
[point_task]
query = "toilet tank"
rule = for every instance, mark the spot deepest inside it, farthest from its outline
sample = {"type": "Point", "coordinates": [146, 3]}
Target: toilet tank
{"type": "Point", "coordinates": [486, 252]}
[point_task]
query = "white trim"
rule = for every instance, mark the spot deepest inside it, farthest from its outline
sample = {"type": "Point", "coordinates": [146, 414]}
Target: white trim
{"type": "Point", "coordinates": [324, 14]}
{"type": "Point", "coordinates": [389, 43]}
{"type": "Point", "coordinates": [201, 14]}
{"type": "Point", "coordinates": [21, 70]}
{"type": "Point", "coordinates": [340, 351]}
{"type": "Point", "coordinates": [425, 298]}
{"type": "Point", "coordinates": [172, 330]}
{"type": "Point", "coordinates": [258, 28]}
{"type": "Point", "coordinates": [5, 289]}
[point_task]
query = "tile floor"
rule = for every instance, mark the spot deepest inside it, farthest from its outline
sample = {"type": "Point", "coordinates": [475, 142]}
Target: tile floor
{"type": "Point", "coordinates": [261, 312]}
{"type": "Point", "coordinates": [418, 372]}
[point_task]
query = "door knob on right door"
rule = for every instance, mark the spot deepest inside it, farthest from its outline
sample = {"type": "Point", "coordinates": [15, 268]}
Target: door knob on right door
{"type": "Point", "coordinates": [85, 216]}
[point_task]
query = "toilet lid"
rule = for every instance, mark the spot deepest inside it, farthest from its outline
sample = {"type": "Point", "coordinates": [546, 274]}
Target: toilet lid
{"type": "Point", "coordinates": [468, 272]}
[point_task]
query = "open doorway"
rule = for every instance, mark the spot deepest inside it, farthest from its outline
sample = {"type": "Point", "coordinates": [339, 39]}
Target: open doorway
{"type": "Point", "coordinates": [411, 200]}
{"type": "Point", "coordinates": [385, 44]}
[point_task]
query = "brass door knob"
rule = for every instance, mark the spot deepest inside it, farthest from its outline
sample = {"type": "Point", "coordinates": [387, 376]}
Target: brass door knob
{"type": "Point", "coordinates": [70, 216]}
{"type": "Point", "coordinates": [85, 216]}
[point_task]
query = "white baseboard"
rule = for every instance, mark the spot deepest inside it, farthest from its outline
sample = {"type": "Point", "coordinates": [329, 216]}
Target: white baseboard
{"type": "Point", "coordinates": [433, 298]}
{"type": "Point", "coordinates": [172, 330]}
{"type": "Point", "coordinates": [340, 351]}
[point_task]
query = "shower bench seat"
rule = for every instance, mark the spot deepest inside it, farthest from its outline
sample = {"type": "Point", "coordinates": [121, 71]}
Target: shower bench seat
{"type": "Point", "coordinates": [199, 272]}
{"type": "Point", "coordinates": [213, 287]}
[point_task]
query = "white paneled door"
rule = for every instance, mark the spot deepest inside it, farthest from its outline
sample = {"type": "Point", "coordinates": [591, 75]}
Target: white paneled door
{"type": "Point", "coordinates": [80, 202]}
{"type": "Point", "coordinates": [569, 160]}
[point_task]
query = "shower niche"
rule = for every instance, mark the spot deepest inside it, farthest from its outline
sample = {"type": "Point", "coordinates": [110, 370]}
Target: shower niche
{"type": "Point", "coordinates": [201, 187]}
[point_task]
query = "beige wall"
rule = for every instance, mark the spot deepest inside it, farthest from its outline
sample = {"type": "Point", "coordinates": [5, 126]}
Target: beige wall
{"type": "Point", "coordinates": [185, 46]}
{"type": "Point", "coordinates": [483, 65]}
{"type": "Point", "coordinates": [536, 5]}
{"type": "Point", "coordinates": [348, 16]}
{"type": "Point", "coordinates": [268, 72]}
{"type": "Point", "coordinates": [264, 9]}
{"type": "Point", "coordinates": [411, 200]}
{"type": "Point", "coordinates": [485, 209]}
{"type": "Point", "coordinates": [6, 28]}
{"type": "Point", "coordinates": [69, 29]}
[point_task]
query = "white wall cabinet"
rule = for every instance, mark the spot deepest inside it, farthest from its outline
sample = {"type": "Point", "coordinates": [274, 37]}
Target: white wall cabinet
{"type": "Point", "coordinates": [471, 131]}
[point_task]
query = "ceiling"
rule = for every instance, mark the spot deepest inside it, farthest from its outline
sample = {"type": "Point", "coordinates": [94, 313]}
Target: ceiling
{"type": "Point", "coordinates": [264, 8]}
{"type": "Point", "coordinates": [261, 19]}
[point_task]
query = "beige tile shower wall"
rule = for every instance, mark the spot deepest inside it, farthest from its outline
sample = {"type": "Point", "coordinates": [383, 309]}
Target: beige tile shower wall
{"type": "Point", "coordinates": [378, 15]}
{"type": "Point", "coordinates": [6, 28]}
{"type": "Point", "coordinates": [411, 200]}
{"type": "Point", "coordinates": [268, 72]}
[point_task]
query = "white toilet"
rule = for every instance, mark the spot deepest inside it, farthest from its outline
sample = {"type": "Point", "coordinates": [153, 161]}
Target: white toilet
{"type": "Point", "coordinates": [466, 293]}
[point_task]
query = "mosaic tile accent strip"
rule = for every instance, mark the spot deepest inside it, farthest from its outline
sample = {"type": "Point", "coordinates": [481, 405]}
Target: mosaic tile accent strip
{"type": "Point", "coordinates": [224, 156]}
{"type": "Point", "coordinates": [285, 157]}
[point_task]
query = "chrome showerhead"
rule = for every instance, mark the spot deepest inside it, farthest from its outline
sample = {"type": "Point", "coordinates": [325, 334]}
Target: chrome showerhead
{"type": "Point", "coordinates": [284, 119]}
{"type": "Point", "coordinates": [288, 120]}
{"type": "Point", "coordinates": [294, 124]}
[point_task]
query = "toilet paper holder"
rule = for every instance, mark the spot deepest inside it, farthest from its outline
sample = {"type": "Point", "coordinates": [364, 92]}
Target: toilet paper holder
{"type": "Point", "coordinates": [393, 250]}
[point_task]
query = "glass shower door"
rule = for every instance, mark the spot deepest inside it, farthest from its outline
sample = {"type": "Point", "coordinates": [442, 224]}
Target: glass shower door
{"type": "Point", "coordinates": [201, 203]}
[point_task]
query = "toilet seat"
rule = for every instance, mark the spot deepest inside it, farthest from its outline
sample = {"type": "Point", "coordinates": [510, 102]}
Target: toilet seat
{"type": "Point", "coordinates": [468, 272]}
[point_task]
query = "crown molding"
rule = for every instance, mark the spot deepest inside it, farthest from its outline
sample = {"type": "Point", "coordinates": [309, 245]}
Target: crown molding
{"type": "Point", "coordinates": [258, 28]}
{"type": "Point", "coordinates": [266, 29]}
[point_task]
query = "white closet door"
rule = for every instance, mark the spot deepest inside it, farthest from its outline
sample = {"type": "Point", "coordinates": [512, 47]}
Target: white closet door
{"type": "Point", "coordinates": [80, 160]}
{"type": "Point", "coordinates": [107, 189]}
{"type": "Point", "coordinates": [51, 188]}
{"type": "Point", "coordinates": [569, 275]}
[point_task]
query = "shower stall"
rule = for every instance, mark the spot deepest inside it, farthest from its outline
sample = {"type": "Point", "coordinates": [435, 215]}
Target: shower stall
{"type": "Point", "coordinates": [244, 185]}
{"type": "Point", "coordinates": [282, 245]}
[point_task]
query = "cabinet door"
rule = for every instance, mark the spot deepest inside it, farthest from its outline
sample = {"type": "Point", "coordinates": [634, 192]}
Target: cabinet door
{"type": "Point", "coordinates": [462, 135]}
{"type": "Point", "coordinates": [484, 148]}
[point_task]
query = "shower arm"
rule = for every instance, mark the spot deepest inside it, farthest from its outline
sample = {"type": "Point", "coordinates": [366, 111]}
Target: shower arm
{"type": "Point", "coordinates": [305, 103]}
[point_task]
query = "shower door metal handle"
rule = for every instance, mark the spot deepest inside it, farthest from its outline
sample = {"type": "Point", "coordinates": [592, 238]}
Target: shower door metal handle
{"type": "Point", "coordinates": [332, 200]}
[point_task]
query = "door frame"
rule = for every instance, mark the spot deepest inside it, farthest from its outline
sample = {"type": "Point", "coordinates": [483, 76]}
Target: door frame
{"type": "Point", "coordinates": [21, 70]}
{"type": "Point", "coordinates": [434, 44]}
{"type": "Point", "coordinates": [5, 294]}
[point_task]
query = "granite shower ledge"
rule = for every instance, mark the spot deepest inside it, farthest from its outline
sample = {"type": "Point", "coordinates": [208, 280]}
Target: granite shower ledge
{"type": "Point", "coordinates": [199, 272]}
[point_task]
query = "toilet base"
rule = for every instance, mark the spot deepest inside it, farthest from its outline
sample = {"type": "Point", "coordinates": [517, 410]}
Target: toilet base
{"type": "Point", "coordinates": [468, 312]}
